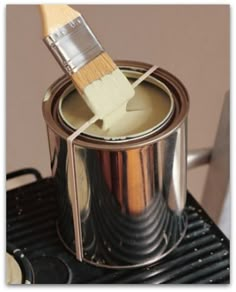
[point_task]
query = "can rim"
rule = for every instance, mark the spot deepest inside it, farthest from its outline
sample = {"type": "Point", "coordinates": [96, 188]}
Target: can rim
{"type": "Point", "coordinates": [179, 92]}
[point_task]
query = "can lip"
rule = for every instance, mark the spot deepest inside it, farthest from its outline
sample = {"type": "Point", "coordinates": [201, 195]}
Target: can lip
{"type": "Point", "coordinates": [176, 87]}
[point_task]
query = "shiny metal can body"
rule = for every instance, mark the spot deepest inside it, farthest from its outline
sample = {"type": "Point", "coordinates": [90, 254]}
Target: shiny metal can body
{"type": "Point", "coordinates": [130, 195]}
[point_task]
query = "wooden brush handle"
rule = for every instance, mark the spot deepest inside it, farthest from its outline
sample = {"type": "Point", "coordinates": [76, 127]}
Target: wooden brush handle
{"type": "Point", "coordinates": [56, 16]}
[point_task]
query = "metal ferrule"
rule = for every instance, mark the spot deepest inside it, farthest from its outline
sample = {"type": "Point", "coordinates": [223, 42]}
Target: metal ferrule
{"type": "Point", "coordinates": [73, 45]}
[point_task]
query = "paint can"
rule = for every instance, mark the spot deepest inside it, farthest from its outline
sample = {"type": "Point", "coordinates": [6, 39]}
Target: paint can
{"type": "Point", "coordinates": [131, 188]}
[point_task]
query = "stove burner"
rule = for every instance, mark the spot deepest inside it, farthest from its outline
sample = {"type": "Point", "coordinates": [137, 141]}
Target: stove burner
{"type": "Point", "coordinates": [51, 270]}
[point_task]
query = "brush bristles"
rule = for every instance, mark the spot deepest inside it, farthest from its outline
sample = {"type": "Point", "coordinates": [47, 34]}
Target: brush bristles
{"type": "Point", "coordinates": [94, 70]}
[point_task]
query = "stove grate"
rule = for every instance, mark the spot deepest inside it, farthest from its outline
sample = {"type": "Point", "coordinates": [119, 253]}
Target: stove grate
{"type": "Point", "coordinates": [202, 256]}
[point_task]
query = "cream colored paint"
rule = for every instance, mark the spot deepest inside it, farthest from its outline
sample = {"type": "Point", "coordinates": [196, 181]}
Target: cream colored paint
{"type": "Point", "coordinates": [108, 94]}
{"type": "Point", "coordinates": [13, 271]}
{"type": "Point", "coordinates": [147, 109]}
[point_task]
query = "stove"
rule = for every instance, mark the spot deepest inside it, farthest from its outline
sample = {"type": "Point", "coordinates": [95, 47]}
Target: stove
{"type": "Point", "coordinates": [202, 256]}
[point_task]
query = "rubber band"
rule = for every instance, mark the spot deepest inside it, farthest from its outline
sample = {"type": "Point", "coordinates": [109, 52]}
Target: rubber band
{"type": "Point", "coordinates": [144, 76]}
{"type": "Point", "coordinates": [82, 128]}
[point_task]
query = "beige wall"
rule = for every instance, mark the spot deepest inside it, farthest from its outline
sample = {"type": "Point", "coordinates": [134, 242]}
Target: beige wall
{"type": "Point", "coordinates": [192, 42]}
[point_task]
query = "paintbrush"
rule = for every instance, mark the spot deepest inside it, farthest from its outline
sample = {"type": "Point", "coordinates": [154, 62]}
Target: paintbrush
{"type": "Point", "coordinates": [99, 81]}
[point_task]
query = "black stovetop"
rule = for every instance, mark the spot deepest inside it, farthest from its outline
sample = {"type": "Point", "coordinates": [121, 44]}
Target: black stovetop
{"type": "Point", "coordinates": [202, 256]}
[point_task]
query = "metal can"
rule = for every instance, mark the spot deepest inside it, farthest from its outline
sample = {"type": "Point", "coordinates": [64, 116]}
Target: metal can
{"type": "Point", "coordinates": [131, 191]}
